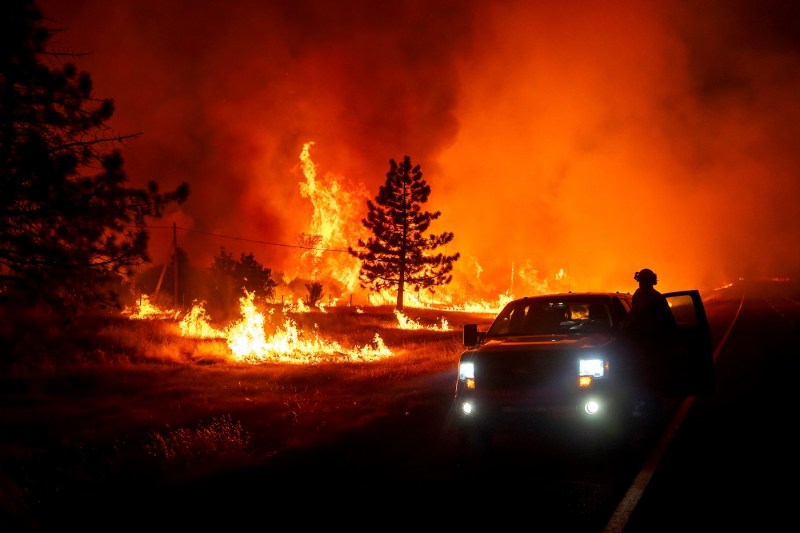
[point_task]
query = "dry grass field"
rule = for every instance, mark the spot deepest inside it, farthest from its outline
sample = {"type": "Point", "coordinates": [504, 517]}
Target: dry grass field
{"type": "Point", "coordinates": [106, 401]}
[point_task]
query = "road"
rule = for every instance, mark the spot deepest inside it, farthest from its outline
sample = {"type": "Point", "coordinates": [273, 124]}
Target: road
{"type": "Point", "coordinates": [733, 460]}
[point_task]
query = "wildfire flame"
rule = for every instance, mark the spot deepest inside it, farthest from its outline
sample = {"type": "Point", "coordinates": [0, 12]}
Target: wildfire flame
{"type": "Point", "coordinates": [249, 343]}
{"type": "Point", "coordinates": [145, 310]}
{"type": "Point", "coordinates": [333, 218]}
{"type": "Point", "coordinates": [298, 307]}
{"type": "Point", "coordinates": [196, 324]}
{"type": "Point", "coordinates": [334, 211]}
{"type": "Point", "coordinates": [409, 323]}
{"type": "Point", "coordinates": [489, 308]}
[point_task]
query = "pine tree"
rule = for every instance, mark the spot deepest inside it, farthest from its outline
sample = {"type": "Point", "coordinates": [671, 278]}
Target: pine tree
{"type": "Point", "coordinates": [398, 253]}
{"type": "Point", "coordinates": [70, 227]}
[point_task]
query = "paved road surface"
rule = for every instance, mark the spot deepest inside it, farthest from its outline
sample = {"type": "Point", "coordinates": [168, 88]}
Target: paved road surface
{"type": "Point", "coordinates": [733, 462]}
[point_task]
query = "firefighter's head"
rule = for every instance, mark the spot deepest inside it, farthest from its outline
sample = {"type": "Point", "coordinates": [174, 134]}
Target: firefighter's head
{"type": "Point", "coordinates": [646, 277]}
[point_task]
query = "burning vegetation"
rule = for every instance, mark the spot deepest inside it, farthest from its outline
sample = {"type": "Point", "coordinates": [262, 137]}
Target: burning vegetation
{"type": "Point", "coordinates": [273, 335]}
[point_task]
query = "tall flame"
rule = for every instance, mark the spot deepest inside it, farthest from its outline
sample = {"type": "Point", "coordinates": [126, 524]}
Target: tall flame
{"type": "Point", "coordinates": [332, 225]}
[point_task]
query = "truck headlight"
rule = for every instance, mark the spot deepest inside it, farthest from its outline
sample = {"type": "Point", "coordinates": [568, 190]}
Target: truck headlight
{"type": "Point", "coordinates": [592, 407]}
{"type": "Point", "coordinates": [466, 371]}
{"type": "Point", "coordinates": [595, 367]}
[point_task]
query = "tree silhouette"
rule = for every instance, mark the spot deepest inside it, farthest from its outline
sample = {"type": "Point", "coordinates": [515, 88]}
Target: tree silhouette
{"type": "Point", "coordinates": [314, 289]}
{"type": "Point", "coordinates": [231, 278]}
{"type": "Point", "coordinates": [70, 228]}
{"type": "Point", "coordinates": [396, 255]}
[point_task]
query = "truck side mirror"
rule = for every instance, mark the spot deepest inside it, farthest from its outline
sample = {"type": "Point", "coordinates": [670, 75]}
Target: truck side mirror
{"type": "Point", "coordinates": [470, 334]}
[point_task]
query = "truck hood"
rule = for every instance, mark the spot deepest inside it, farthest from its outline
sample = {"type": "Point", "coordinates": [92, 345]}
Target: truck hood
{"type": "Point", "coordinates": [533, 343]}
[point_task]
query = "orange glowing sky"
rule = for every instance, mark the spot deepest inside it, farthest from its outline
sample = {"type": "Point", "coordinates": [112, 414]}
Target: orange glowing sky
{"type": "Point", "coordinates": [597, 137]}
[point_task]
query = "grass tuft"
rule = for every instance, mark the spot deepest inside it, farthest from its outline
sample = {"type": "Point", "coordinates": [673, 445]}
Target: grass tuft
{"type": "Point", "coordinates": [218, 442]}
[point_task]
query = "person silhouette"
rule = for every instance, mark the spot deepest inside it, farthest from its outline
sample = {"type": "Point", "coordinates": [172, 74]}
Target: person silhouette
{"type": "Point", "coordinates": [651, 330]}
{"type": "Point", "coordinates": [650, 319]}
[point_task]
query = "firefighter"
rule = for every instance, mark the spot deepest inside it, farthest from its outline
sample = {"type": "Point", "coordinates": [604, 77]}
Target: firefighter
{"type": "Point", "coordinates": [652, 333]}
{"type": "Point", "coordinates": [650, 320]}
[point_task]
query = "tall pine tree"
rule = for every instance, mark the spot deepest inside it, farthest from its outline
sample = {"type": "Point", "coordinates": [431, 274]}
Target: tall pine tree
{"type": "Point", "coordinates": [399, 253]}
{"type": "Point", "coordinates": [70, 227]}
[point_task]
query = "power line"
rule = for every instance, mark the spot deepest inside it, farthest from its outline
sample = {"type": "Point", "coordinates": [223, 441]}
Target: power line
{"type": "Point", "coordinates": [221, 236]}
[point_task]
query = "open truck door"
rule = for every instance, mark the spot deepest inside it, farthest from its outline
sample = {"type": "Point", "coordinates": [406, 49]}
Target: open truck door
{"type": "Point", "coordinates": [691, 373]}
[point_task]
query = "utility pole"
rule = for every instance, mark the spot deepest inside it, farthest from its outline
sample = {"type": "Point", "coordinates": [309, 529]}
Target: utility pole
{"type": "Point", "coordinates": [175, 263]}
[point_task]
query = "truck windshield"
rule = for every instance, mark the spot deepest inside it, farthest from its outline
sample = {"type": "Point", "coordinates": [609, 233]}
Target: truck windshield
{"type": "Point", "coordinates": [551, 317]}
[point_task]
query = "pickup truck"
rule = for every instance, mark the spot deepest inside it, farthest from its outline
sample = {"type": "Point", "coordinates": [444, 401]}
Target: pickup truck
{"type": "Point", "coordinates": [564, 360]}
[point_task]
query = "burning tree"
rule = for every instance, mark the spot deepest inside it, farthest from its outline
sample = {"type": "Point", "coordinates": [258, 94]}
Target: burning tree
{"type": "Point", "coordinates": [396, 255]}
{"type": "Point", "coordinates": [69, 225]}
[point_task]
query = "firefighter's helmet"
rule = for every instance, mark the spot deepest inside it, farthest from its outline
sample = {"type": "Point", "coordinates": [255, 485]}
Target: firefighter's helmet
{"type": "Point", "coordinates": [646, 276]}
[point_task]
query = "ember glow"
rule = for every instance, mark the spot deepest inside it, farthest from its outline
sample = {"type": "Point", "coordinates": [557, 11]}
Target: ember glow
{"type": "Point", "coordinates": [567, 145]}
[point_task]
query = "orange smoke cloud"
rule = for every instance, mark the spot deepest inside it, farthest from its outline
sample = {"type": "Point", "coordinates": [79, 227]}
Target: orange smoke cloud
{"type": "Point", "coordinates": [567, 145]}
